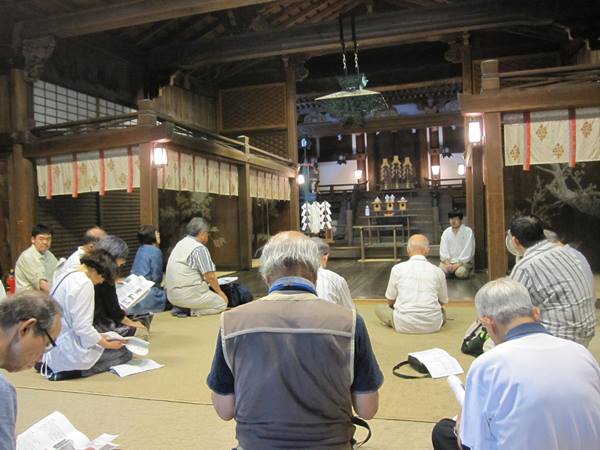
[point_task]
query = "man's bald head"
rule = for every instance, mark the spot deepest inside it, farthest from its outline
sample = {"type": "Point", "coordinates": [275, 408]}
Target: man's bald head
{"type": "Point", "coordinates": [91, 237]}
{"type": "Point", "coordinates": [418, 244]}
{"type": "Point", "coordinates": [289, 253]}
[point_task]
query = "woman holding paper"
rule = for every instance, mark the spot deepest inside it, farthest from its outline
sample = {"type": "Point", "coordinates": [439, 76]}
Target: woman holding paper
{"type": "Point", "coordinates": [80, 350]}
{"type": "Point", "coordinates": [148, 263]}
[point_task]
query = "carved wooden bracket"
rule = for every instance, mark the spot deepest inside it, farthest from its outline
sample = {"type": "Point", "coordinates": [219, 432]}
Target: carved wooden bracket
{"type": "Point", "coordinates": [36, 52]}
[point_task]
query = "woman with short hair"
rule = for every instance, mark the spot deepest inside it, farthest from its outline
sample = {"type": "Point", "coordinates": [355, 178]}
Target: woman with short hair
{"type": "Point", "coordinates": [148, 263]}
{"type": "Point", "coordinates": [80, 349]}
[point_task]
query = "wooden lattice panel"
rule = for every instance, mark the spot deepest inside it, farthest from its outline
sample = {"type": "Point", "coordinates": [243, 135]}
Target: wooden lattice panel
{"type": "Point", "coordinates": [273, 141]}
{"type": "Point", "coordinates": [514, 63]}
{"type": "Point", "coordinates": [253, 108]}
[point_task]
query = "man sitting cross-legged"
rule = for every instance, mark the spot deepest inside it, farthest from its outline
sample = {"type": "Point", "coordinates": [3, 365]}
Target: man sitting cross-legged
{"type": "Point", "coordinates": [416, 292]}
{"type": "Point", "coordinates": [290, 367]}
{"type": "Point", "coordinates": [532, 391]}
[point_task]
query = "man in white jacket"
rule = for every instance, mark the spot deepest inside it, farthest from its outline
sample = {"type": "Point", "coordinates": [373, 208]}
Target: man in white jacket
{"type": "Point", "coordinates": [457, 247]}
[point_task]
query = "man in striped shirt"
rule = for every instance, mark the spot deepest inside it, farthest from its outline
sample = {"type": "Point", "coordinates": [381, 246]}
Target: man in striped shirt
{"type": "Point", "coordinates": [556, 282]}
{"type": "Point", "coordinates": [190, 279]}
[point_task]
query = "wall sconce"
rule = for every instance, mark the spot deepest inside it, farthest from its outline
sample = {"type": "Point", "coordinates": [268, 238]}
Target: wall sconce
{"type": "Point", "coordinates": [461, 169]}
{"type": "Point", "coordinates": [435, 170]}
{"type": "Point", "coordinates": [474, 131]}
{"type": "Point", "coordinates": [300, 179]}
{"type": "Point", "coordinates": [358, 174]}
{"type": "Point", "coordinates": [159, 156]}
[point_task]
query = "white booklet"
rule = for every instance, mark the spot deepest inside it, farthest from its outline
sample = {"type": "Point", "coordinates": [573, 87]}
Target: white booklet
{"type": "Point", "coordinates": [134, 344]}
{"type": "Point", "coordinates": [132, 289]}
{"type": "Point", "coordinates": [439, 362]}
{"type": "Point", "coordinates": [227, 280]}
{"type": "Point", "coordinates": [135, 366]}
{"type": "Point", "coordinates": [55, 432]}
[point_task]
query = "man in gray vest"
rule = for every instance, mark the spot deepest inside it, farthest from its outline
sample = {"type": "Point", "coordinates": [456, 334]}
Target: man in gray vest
{"type": "Point", "coordinates": [290, 367]}
{"type": "Point", "coordinates": [191, 274]}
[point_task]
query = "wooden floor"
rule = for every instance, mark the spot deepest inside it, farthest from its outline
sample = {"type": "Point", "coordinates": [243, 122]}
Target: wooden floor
{"type": "Point", "coordinates": [368, 280]}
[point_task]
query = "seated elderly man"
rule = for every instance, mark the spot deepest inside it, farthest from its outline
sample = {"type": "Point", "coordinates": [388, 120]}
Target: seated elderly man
{"type": "Point", "coordinates": [331, 286]}
{"type": "Point", "coordinates": [88, 245]}
{"type": "Point", "coordinates": [416, 292]}
{"type": "Point", "coordinates": [457, 247]}
{"type": "Point", "coordinates": [555, 280]}
{"type": "Point", "coordinates": [29, 326]}
{"type": "Point", "coordinates": [532, 391]}
{"type": "Point", "coordinates": [190, 275]}
{"type": "Point", "coordinates": [35, 266]}
{"type": "Point", "coordinates": [290, 367]}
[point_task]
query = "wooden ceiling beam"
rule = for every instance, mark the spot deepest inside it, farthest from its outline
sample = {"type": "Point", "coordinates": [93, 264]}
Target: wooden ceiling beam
{"type": "Point", "coordinates": [123, 15]}
{"type": "Point", "coordinates": [514, 100]}
{"type": "Point", "coordinates": [383, 124]}
{"type": "Point", "coordinates": [375, 30]}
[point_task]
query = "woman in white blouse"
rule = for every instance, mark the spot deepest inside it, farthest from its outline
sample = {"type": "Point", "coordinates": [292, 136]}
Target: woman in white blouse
{"type": "Point", "coordinates": [80, 350]}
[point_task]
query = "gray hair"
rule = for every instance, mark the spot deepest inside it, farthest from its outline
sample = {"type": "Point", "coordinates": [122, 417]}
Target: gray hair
{"type": "Point", "coordinates": [321, 245]}
{"type": "Point", "coordinates": [29, 305]}
{"type": "Point", "coordinates": [417, 241]}
{"type": "Point", "coordinates": [289, 254]}
{"type": "Point", "coordinates": [503, 300]}
{"type": "Point", "coordinates": [197, 225]}
{"type": "Point", "coordinates": [114, 246]}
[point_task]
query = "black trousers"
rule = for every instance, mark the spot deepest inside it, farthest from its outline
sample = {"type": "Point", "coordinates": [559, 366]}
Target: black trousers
{"type": "Point", "coordinates": [443, 437]}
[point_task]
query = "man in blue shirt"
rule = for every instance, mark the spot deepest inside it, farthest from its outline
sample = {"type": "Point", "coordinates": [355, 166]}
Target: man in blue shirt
{"type": "Point", "coordinates": [290, 367]}
{"type": "Point", "coordinates": [533, 391]}
{"type": "Point", "coordinates": [29, 326]}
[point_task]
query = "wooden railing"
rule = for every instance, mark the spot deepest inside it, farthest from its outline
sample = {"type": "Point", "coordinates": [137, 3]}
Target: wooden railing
{"type": "Point", "coordinates": [115, 122]}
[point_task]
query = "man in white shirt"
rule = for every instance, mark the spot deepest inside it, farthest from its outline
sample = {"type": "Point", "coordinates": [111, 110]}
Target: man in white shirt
{"type": "Point", "coordinates": [457, 247]}
{"type": "Point", "coordinates": [532, 391]}
{"type": "Point", "coordinates": [36, 265]}
{"type": "Point", "coordinates": [91, 237]}
{"type": "Point", "coordinates": [331, 286]}
{"type": "Point", "coordinates": [416, 292]}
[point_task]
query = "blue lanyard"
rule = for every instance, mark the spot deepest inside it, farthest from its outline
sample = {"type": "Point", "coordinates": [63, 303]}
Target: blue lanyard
{"type": "Point", "coordinates": [292, 284]}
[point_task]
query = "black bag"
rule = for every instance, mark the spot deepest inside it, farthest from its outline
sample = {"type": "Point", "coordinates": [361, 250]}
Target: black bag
{"type": "Point", "coordinates": [415, 364]}
{"type": "Point", "coordinates": [474, 339]}
{"type": "Point", "coordinates": [237, 294]}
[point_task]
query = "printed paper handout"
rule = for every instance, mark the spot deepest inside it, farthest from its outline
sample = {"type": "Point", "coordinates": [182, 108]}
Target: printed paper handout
{"type": "Point", "coordinates": [55, 432]}
{"type": "Point", "coordinates": [438, 362]}
{"type": "Point", "coordinates": [135, 345]}
{"type": "Point", "coordinates": [132, 290]}
{"type": "Point", "coordinates": [135, 366]}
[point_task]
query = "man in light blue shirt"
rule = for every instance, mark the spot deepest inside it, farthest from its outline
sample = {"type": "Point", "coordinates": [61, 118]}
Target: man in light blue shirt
{"type": "Point", "coordinates": [533, 391]}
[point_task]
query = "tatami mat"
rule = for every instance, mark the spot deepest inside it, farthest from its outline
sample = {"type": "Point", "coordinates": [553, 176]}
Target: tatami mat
{"type": "Point", "coordinates": [170, 407]}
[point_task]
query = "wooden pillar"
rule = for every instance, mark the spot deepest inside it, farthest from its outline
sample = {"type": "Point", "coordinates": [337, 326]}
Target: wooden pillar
{"type": "Point", "coordinates": [372, 163]}
{"type": "Point", "coordinates": [494, 196]}
{"type": "Point", "coordinates": [245, 212]}
{"type": "Point", "coordinates": [22, 204]}
{"type": "Point", "coordinates": [292, 141]}
{"type": "Point", "coordinates": [149, 207]}
{"type": "Point", "coordinates": [5, 128]}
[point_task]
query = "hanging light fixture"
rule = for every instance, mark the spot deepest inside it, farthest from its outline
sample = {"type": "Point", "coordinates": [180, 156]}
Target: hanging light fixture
{"type": "Point", "coordinates": [358, 174]}
{"type": "Point", "coordinates": [353, 103]}
{"type": "Point", "coordinates": [461, 169]}
{"type": "Point", "coordinates": [474, 130]}
{"type": "Point", "coordinates": [159, 155]}
{"type": "Point", "coordinates": [300, 179]}
{"type": "Point", "coordinates": [435, 170]}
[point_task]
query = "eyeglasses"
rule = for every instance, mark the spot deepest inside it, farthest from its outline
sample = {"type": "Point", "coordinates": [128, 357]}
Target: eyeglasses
{"type": "Point", "coordinates": [51, 342]}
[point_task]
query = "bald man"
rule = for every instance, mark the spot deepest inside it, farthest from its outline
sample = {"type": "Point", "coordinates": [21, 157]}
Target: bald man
{"type": "Point", "coordinates": [416, 292]}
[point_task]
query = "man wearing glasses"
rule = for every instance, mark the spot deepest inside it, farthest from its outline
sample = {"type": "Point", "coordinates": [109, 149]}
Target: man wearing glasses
{"type": "Point", "coordinates": [29, 326]}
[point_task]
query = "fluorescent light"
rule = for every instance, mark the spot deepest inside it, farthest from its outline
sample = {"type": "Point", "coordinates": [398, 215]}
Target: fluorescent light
{"type": "Point", "coordinates": [300, 179]}
{"type": "Point", "coordinates": [435, 170]}
{"type": "Point", "coordinates": [474, 132]}
{"type": "Point", "coordinates": [461, 169]}
{"type": "Point", "coordinates": [159, 156]}
{"type": "Point", "coordinates": [358, 174]}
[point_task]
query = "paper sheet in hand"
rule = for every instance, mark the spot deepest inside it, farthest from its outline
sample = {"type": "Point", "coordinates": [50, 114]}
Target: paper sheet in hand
{"type": "Point", "coordinates": [457, 389]}
{"type": "Point", "coordinates": [135, 345]}
{"type": "Point", "coordinates": [227, 280]}
{"type": "Point", "coordinates": [132, 290]}
{"type": "Point", "coordinates": [438, 362]}
{"type": "Point", "coordinates": [55, 432]}
{"type": "Point", "coordinates": [135, 366]}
